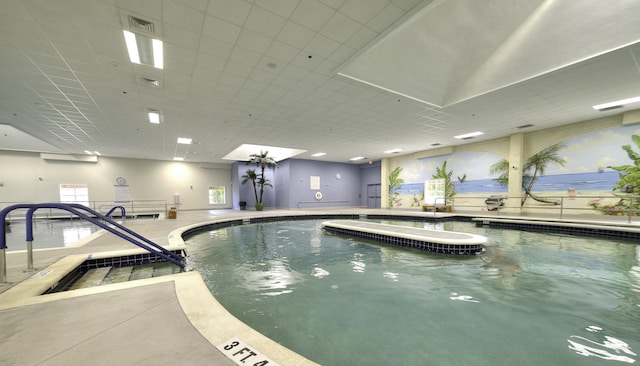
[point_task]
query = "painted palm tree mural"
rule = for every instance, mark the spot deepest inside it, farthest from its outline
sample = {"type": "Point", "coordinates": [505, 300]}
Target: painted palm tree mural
{"type": "Point", "coordinates": [395, 183]}
{"type": "Point", "coordinates": [627, 186]}
{"type": "Point", "coordinates": [535, 167]}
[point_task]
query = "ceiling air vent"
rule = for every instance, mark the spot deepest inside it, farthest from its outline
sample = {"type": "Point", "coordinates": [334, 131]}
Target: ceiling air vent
{"type": "Point", "coordinates": [150, 82]}
{"type": "Point", "coordinates": [524, 126]}
{"type": "Point", "coordinates": [436, 144]}
{"type": "Point", "coordinates": [140, 24]}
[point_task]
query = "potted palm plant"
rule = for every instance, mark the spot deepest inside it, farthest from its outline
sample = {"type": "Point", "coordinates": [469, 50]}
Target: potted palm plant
{"type": "Point", "coordinates": [263, 161]}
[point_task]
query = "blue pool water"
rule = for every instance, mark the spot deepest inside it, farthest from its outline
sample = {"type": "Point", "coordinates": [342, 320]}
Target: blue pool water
{"type": "Point", "coordinates": [533, 299]}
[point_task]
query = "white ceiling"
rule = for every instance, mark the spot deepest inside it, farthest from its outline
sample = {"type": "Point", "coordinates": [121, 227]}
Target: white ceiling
{"type": "Point", "coordinates": [299, 73]}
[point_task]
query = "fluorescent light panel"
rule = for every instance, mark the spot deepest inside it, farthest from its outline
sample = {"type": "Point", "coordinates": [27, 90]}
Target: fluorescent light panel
{"type": "Point", "coordinates": [184, 140]}
{"type": "Point", "coordinates": [357, 158]}
{"type": "Point", "coordinates": [318, 154]}
{"type": "Point", "coordinates": [467, 135]}
{"type": "Point", "coordinates": [176, 158]}
{"type": "Point", "coordinates": [393, 151]}
{"type": "Point", "coordinates": [143, 50]}
{"type": "Point", "coordinates": [617, 103]}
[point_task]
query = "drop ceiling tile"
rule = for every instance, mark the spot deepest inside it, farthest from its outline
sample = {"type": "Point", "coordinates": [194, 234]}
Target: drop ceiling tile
{"type": "Point", "coordinates": [293, 72]}
{"type": "Point", "coordinates": [335, 4]}
{"type": "Point", "coordinates": [322, 46]}
{"type": "Point", "coordinates": [327, 68]}
{"type": "Point", "coordinates": [362, 10]}
{"type": "Point", "coordinates": [295, 35]}
{"type": "Point", "coordinates": [238, 69]}
{"type": "Point", "coordinates": [340, 27]}
{"type": "Point", "coordinates": [215, 47]}
{"type": "Point", "coordinates": [384, 19]}
{"type": "Point", "coordinates": [361, 38]}
{"type": "Point", "coordinates": [262, 76]}
{"type": "Point", "coordinates": [221, 30]}
{"type": "Point", "coordinates": [182, 16]}
{"type": "Point", "coordinates": [312, 14]}
{"type": "Point", "coordinates": [284, 8]}
{"type": "Point", "coordinates": [235, 11]}
{"type": "Point", "coordinates": [264, 22]}
{"type": "Point", "coordinates": [209, 62]}
{"type": "Point", "coordinates": [245, 56]}
{"type": "Point", "coordinates": [181, 37]}
{"type": "Point", "coordinates": [407, 5]}
{"type": "Point", "coordinates": [282, 51]}
{"type": "Point", "coordinates": [342, 54]}
{"type": "Point", "coordinates": [254, 41]}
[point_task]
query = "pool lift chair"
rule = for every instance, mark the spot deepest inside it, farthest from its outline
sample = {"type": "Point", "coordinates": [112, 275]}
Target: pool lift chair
{"type": "Point", "coordinates": [494, 202]}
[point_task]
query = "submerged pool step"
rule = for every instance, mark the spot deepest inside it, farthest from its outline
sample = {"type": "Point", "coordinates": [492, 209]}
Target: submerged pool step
{"type": "Point", "coordinates": [108, 275]}
{"type": "Point", "coordinates": [93, 277]}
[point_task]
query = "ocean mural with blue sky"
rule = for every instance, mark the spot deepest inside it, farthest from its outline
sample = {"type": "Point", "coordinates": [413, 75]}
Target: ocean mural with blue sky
{"type": "Point", "coordinates": [585, 171]}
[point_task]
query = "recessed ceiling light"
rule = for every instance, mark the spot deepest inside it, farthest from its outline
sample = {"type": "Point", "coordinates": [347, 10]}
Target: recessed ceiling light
{"type": "Point", "coordinates": [318, 154]}
{"type": "Point", "coordinates": [144, 50]}
{"type": "Point", "coordinates": [97, 153]}
{"type": "Point", "coordinates": [178, 159]}
{"type": "Point", "coordinates": [88, 152]}
{"type": "Point", "coordinates": [393, 151]}
{"type": "Point", "coordinates": [184, 140]}
{"type": "Point", "coordinates": [617, 103]}
{"type": "Point", "coordinates": [154, 116]}
{"type": "Point", "coordinates": [357, 158]}
{"type": "Point", "coordinates": [468, 135]}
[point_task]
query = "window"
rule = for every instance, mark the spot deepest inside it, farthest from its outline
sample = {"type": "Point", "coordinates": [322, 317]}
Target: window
{"type": "Point", "coordinates": [217, 195]}
{"type": "Point", "coordinates": [74, 193]}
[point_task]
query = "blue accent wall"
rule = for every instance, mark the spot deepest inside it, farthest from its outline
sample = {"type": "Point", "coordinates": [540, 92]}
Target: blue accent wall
{"type": "Point", "coordinates": [291, 184]}
{"type": "Point", "coordinates": [370, 174]}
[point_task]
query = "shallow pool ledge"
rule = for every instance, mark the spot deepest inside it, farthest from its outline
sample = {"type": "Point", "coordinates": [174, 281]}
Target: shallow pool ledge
{"type": "Point", "coordinates": [436, 241]}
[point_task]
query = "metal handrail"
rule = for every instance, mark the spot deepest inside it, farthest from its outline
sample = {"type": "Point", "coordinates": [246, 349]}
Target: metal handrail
{"type": "Point", "coordinates": [97, 219]}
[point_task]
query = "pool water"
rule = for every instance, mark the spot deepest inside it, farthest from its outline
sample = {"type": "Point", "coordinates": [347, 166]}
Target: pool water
{"type": "Point", "coordinates": [532, 299]}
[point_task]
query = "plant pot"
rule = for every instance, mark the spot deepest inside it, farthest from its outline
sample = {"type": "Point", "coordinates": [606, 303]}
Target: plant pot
{"type": "Point", "coordinates": [243, 205]}
{"type": "Point", "coordinates": [259, 206]}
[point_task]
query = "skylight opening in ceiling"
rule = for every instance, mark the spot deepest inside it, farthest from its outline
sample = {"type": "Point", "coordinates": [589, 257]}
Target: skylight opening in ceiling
{"type": "Point", "coordinates": [244, 151]}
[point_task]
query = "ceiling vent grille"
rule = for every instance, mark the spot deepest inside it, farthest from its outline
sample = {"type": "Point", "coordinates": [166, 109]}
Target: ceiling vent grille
{"type": "Point", "coordinates": [141, 25]}
{"type": "Point", "coordinates": [436, 144]}
{"type": "Point", "coordinates": [524, 126]}
{"type": "Point", "coordinates": [150, 82]}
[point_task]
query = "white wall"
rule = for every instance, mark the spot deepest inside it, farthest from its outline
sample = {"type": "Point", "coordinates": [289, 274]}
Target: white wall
{"type": "Point", "coordinates": [26, 177]}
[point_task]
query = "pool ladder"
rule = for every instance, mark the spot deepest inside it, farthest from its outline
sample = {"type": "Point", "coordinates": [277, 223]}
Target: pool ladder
{"type": "Point", "coordinates": [84, 212]}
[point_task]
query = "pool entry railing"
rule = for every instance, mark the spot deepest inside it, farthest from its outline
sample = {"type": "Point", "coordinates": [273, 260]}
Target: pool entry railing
{"type": "Point", "coordinates": [90, 215]}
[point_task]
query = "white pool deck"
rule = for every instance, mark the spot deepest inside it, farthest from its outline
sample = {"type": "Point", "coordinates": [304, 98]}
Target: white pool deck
{"type": "Point", "coordinates": [169, 320]}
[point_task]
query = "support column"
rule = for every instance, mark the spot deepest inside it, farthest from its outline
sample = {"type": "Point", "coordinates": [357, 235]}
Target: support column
{"type": "Point", "coordinates": [516, 161]}
{"type": "Point", "coordinates": [384, 182]}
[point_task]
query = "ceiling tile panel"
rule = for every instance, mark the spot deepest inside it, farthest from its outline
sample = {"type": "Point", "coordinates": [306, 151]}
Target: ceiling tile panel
{"type": "Point", "coordinates": [234, 11]}
{"type": "Point", "coordinates": [264, 22]}
{"type": "Point", "coordinates": [312, 14]}
{"type": "Point", "coordinates": [221, 30]}
{"type": "Point", "coordinates": [254, 41]}
{"type": "Point", "coordinates": [182, 16]}
{"type": "Point", "coordinates": [363, 10]}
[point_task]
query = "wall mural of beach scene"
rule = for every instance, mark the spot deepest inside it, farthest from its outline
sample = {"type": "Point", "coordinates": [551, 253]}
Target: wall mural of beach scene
{"type": "Point", "coordinates": [581, 178]}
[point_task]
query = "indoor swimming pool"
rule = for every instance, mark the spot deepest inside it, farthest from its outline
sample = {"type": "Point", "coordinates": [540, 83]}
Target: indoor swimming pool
{"type": "Point", "coordinates": [534, 298]}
